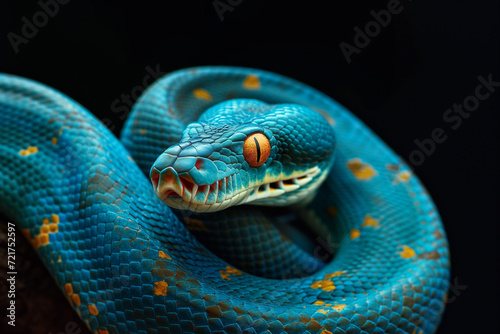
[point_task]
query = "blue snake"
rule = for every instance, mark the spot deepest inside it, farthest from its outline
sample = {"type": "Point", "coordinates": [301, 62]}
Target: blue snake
{"type": "Point", "coordinates": [190, 223]}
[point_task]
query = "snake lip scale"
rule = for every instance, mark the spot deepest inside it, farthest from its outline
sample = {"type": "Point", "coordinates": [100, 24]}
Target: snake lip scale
{"type": "Point", "coordinates": [182, 193]}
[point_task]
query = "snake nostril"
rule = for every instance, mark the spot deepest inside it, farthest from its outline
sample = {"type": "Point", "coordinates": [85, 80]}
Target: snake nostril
{"type": "Point", "coordinates": [199, 164]}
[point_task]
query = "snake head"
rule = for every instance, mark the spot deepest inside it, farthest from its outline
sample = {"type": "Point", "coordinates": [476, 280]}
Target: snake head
{"type": "Point", "coordinates": [245, 151]}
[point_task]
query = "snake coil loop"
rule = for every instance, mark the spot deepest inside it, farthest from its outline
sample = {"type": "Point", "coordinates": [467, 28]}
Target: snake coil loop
{"type": "Point", "coordinates": [128, 264]}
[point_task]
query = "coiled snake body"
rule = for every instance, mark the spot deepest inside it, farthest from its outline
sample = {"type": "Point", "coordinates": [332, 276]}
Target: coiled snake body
{"type": "Point", "coordinates": [129, 264]}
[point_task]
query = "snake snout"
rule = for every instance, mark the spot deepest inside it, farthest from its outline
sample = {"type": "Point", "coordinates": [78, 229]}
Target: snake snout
{"type": "Point", "coordinates": [186, 182]}
{"type": "Point", "coordinates": [167, 183]}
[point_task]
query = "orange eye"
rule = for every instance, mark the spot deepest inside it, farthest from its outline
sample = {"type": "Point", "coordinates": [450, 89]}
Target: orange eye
{"type": "Point", "coordinates": [256, 149]}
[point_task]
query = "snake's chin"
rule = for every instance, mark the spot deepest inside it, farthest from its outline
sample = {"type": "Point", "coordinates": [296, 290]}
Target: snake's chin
{"type": "Point", "coordinates": [280, 190]}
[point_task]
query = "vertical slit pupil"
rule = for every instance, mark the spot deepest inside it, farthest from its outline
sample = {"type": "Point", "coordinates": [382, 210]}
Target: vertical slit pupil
{"type": "Point", "coordinates": [257, 145]}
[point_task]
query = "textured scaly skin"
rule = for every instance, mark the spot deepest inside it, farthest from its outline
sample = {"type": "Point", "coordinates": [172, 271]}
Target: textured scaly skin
{"type": "Point", "coordinates": [126, 262]}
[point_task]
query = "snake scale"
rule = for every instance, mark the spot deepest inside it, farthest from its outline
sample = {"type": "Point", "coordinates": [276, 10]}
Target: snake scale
{"type": "Point", "coordinates": [211, 138]}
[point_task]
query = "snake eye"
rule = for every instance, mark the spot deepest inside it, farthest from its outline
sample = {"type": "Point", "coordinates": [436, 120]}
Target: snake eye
{"type": "Point", "coordinates": [256, 149]}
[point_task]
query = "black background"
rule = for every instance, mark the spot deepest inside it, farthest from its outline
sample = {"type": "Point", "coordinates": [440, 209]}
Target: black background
{"type": "Point", "coordinates": [401, 84]}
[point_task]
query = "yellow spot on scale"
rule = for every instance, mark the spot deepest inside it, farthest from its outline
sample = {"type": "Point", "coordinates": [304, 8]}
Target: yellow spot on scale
{"type": "Point", "coordinates": [93, 309]}
{"type": "Point", "coordinates": [68, 288]}
{"type": "Point", "coordinates": [59, 259]}
{"type": "Point", "coordinates": [322, 311]}
{"type": "Point", "coordinates": [339, 308]}
{"type": "Point", "coordinates": [225, 274]}
{"type": "Point", "coordinates": [407, 252]}
{"type": "Point", "coordinates": [403, 176]}
{"type": "Point", "coordinates": [335, 274]}
{"type": "Point", "coordinates": [202, 94]}
{"type": "Point", "coordinates": [163, 255]}
{"type": "Point", "coordinates": [76, 299]}
{"type": "Point", "coordinates": [143, 131]}
{"type": "Point", "coordinates": [160, 288]}
{"type": "Point", "coordinates": [324, 331]}
{"type": "Point", "coordinates": [319, 302]}
{"type": "Point", "coordinates": [29, 151]}
{"type": "Point", "coordinates": [369, 221]}
{"type": "Point", "coordinates": [251, 82]}
{"type": "Point", "coordinates": [355, 233]}
{"type": "Point", "coordinates": [336, 308]}
{"type": "Point", "coordinates": [361, 170]}
{"type": "Point", "coordinates": [42, 238]}
{"type": "Point", "coordinates": [325, 285]}
{"type": "Point", "coordinates": [54, 141]}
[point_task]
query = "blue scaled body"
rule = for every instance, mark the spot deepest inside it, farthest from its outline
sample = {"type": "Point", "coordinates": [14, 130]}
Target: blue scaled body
{"type": "Point", "coordinates": [128, 263]}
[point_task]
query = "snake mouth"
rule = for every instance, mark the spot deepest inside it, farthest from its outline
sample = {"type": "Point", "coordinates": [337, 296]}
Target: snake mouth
{"type": "Point", "coordinates": [270, 192]}
{"type": "Point", "coordinates": [180, 192]}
